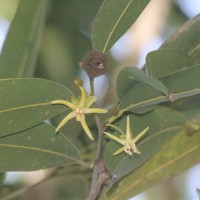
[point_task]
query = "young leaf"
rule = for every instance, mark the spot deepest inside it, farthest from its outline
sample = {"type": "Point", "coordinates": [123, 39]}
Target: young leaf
{"type": "Point", "coordinates": [141, 96]}
{"type": "Point", "coordinates": [26, 102]}
{"type": "Point", "coordinates": [20, 49]}
{"type": "Point", "coordinates": [36, 148]}
{"type": "Point", "coordinates": [113, 19]}
{"type": "Point", "coordinates": [140, 76]}
{"type": "Point", "coordinates": [177, 155]}
{"type": "Point", "coordinates": [163, 124]}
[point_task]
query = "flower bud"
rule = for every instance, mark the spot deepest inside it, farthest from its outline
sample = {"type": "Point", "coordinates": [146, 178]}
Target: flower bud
{"type": "Point", "coordinates": [95, 64]}
{"type": "Point", "coordinates": [78, 82]}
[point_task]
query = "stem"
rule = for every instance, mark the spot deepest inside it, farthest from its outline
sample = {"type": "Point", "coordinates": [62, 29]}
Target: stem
{"type": "Point", "coordinates": [95, 175]}
{"type": "Point", "coordinates": [100, 175]}
{"type": "Point", "coordinates": [198, 192]}
{"type": "Point", "coordinates": [92, 86]}
{"type": "Point", "coordinates": [111, 119]}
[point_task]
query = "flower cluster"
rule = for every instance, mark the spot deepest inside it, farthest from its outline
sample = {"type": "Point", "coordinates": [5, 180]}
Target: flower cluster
{"type": "Point", "coordinates": [126, 139]}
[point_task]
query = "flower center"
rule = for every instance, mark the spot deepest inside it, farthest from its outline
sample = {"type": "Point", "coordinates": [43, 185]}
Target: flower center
{"type": "Point", "coordinates": [130, 148]}
{"type": "Point", "coordinates": [79, 114]}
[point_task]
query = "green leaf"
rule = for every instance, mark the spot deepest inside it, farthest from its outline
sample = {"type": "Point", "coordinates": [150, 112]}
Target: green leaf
{"type": "Point", "coordinates": [164, 62]}
{"type": "Point", "coordinates": [177, 155]}
{"type": "Point", "coordinates": [26, 103]}
{"type": "Point", "coordinates": [188, 107]}
{"type": "Point", "coordinates": [20, 49]}
{"type": "Point", "coordinates": [36, 148]}
{"type": "Point", "coordinates": [124, 83]}
{"type": "Point", "coordinates": [187, 39]}
{"type": "Point", "coordinates": [163, 124]}
{"type": "Point", "coordinates": [113, 19]}
{"type": "Point", "coordinates": [2, 177]}
{"type": "Point", "coordinates": [139, 75]}
{"type": "Point", "coordinates": [141, 95]}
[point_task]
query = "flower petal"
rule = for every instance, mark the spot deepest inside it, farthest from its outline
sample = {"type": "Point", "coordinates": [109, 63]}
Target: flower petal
{"type": "Point", "coordinates": [140, 135]}
{"type": "Point", "coordinates": [115, 138]}
{"type": "Point", "coordinates": [137, 151]}
{"type": "Point", "coordinates": [118, 151]}
{"type": "Point", "coordinates": [89, 101]}
{"type": "Point", "coordinates": [128, 128]}
{"type": "Point", "coordinates": [94, 110]}
{"type": "Point", "coordinates": [86, 129]}
{"type": "Point", "coordinates": [115, 127]}
{"type": "Point", "coordinates": [74, 100]}
{"type": "Point", "coordinates": [65, 120]}
{"type": "Point", "coordinates": [64, 102]}
{"type": "Point", "coordinates": [82, 98]}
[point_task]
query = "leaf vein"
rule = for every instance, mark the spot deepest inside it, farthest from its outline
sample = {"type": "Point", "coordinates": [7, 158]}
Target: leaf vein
{"type": "Point", "coordinates": [37, 149]}
{"type": "Point", "coordinates": [161, 99]}
{"type": "Point", "coordinates": [159, 169]}
{"type": "Point", "coordinates": [115, 26]}
{"type": "Point", "coordinates": [23, 107]}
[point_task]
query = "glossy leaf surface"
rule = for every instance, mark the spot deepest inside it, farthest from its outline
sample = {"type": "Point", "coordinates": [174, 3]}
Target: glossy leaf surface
{"type": "Point", "coordinates": [142, 95]}
{"type": "Point", "coordinates": [20, 48]}
{"type": "Point", "coordinates": [133, 75]}
{"type": "Point", "coordinates": [36, 148]}
{"type": "Point", "coordinates": [26, 103]}
{"type": "Point", "coordinates": [186, 38]}
{"type": "Point", "coordinates": [164, 62]}
{"type": "Point", "coordinates": [113, 19]}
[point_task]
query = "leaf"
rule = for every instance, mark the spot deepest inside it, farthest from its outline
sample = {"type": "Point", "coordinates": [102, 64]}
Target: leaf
{"type": "Point", "coordinates": [2, 178]}
{"type": "Point", "coordinates": [163, 124]}
{"type": "Point", "coordinates": [26, 103]}
{"type": "Point", "coordinates": [177, 155]}
{"type": "Point", "coordinates": [124, 83]}
{"type": "Point", "coordinates": [36, 148]}
{"type": "Point", "coordinates": [142, 96]}
{"type": "Point", "coordinates": [188, 107]}
{"type": "Point", "coordinates": [164, 62]}
{"type": "Point", "coordinates": [20, 49]}
{"type": "Point", "coordinates": [113, 19]}
{"type": "Point", "coordinates": [187, 39]}
{"type": "Point", "coordinates": [139, 75]}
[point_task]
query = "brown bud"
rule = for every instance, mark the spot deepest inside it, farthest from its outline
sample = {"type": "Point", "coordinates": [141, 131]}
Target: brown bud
{"type": "Point", "coordinates": [95, 64]}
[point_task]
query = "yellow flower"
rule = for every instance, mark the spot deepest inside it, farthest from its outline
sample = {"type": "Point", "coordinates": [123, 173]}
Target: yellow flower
{"type": "Point", "coordinates": [79, 107]}
{"type": "Point", "coordinates": [127, 140]}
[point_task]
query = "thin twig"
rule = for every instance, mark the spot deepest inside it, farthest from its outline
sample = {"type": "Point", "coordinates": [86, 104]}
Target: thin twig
{"type": "Point", "coordinates": [198, 192]}
{"type": "Point", "coordinates": [92, 86]}
{"type": "Point", "coordinates": [99, 176]}
{"type": "Point", "coordinates": [97, 160]}
{"type": "Point", "coordinates": [103, 177]}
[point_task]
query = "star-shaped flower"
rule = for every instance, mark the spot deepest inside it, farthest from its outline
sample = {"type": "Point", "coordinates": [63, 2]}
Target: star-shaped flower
{"type": "Point", "coordinates": [127, 140]}
{"type": "Point", "coordinates": [80, 107]}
